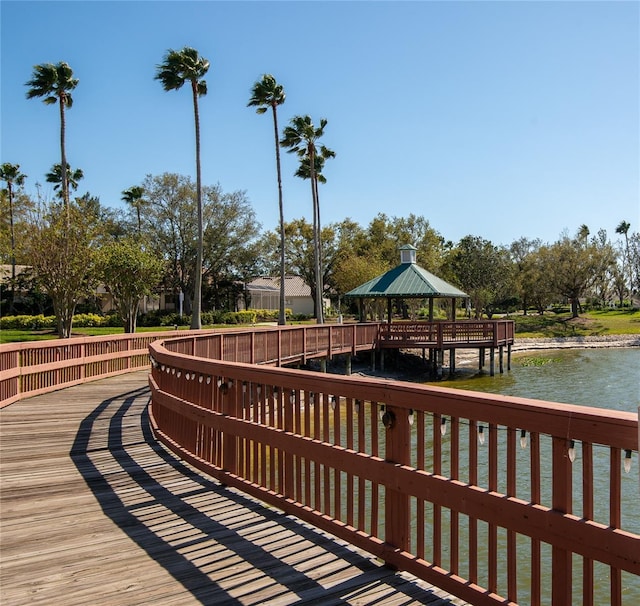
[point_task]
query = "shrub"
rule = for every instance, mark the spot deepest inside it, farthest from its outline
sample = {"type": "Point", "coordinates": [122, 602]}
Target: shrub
{"type": "Point", "coordinates": [88, 320]}
{"type": "Point", "coordinates": [163, 318]}
{"type": "Point", "coordinates": [23, 322]}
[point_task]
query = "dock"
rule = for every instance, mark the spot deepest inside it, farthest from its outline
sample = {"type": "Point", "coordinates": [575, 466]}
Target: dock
{"type": "Point", "coordinates": [93, 510]}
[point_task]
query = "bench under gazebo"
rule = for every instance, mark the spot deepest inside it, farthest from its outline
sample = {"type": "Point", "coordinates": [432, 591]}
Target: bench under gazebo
{"type": "Point", "coordinates": [410, 281]}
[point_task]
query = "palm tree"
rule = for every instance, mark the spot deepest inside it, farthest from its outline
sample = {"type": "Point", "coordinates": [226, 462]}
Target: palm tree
{"type": "Point", "coordinates": [133, 197]}
{"type": "Point", "coordinates": [177, 68]}
{"type": "Point", "coordinates": [583, 233]}
{"type": "Point", "coordinates": [301, 137]}
{"type": "Point", "coordinates": [10, 173]}
{"type": "Point", "coordinates": [55, 83]}
{"type": "Point", "coordinates": [623, 228]}
{"type": "Point", "coordinates": [267, 93]}
{"type": "Point", "coordinates": [55, 176]}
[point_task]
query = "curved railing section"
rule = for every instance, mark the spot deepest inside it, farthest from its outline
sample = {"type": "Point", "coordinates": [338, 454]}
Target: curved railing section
{"type": "Point", "coordinates": [32, 368]}
{"type": "Point", "coordinates": [497, 500]}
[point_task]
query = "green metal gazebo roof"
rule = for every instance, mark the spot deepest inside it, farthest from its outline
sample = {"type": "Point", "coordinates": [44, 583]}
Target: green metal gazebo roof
{"type": "Point", "coordinates": [407, 280]}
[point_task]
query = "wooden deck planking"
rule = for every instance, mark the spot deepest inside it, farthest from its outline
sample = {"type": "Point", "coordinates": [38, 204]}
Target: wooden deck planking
{"type": "Point", "coordinates": [94, 511]}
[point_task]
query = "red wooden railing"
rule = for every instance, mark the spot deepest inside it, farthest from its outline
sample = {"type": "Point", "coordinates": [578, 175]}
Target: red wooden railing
{"type": "Point", "coordinates": [399, 469]}
{"type": "Point", "coordinates": [32, 368]}
{"type": "Point", "coordinates": [491, 522]}
{"type": "Point", "coordinates": [441, 335]}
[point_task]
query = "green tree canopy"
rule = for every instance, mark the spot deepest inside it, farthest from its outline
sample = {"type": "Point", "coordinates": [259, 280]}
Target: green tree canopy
{"type": "Point", "coordinates": [482, 270]}
{"type": "Point", "coordinates": [170, 227]}
{"type": "Point", "coordinates": [129, 272]}
{"type": "Point", "coordinates": [62, 252]}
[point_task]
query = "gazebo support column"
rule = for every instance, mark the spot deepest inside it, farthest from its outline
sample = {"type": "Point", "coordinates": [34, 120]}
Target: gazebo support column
{"type": "Point", "coordinates": [492, 361]}
{"type": "Point", "coordinates": [452, 362]}
{"type": "Point", "coordinates": [501, 359]}
{"type": "Point", "coordinates": [347, 365]}
{"type": "Point", "coordinates": [509, 356]}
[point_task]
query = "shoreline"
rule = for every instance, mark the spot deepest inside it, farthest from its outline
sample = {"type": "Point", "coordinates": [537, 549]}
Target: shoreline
{"type": "Point", "coordinates": [411, 368]}
{"type": "Point", "coordinates": [528, 344]}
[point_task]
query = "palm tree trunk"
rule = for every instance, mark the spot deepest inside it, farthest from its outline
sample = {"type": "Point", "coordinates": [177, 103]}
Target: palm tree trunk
{"type": "Point", "coordinates": [13, 249]}
{"type": "Point", "coordinates": [320, 259]}
{"type": "Point", "coordinates": [63, 158]}
{"type": "Point", "coordinates": [196, 322]}
{"type": "Point", "coordinates": [282, 320]}
{"type": "Point", "coordinates": [316, 238]}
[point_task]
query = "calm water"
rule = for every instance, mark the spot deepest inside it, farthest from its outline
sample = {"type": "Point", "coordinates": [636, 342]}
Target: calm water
{"type": "Point", "coordinates": [605, 378]}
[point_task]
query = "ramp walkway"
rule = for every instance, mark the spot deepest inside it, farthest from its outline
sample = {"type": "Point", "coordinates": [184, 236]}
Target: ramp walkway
{"type": "Point", "coordinates": [94, 511]}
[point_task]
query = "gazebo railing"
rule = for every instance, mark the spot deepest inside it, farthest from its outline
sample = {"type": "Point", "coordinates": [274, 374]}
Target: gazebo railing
{"type": "Point", "coordinates": [446, 334]}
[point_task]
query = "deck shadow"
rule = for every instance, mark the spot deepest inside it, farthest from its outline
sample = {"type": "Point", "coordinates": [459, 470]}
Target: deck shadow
{"type": "Point", "coordinates": [118, 457]}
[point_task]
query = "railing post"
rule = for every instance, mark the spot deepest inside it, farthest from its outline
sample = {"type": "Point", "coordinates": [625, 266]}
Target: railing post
{"type": "Point", "coordinates": [229, 393]}
{"type": "Point", "coordinates": [397, 510]}
{"type": "Point", "coordinates": [561, 564]}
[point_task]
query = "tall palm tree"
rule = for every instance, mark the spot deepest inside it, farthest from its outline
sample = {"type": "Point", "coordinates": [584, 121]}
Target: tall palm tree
{"type": "Point", "coordinates": [623, 228]}
{"type": "Point", "coordinates": [55, 176]}
{"type": "Point", "coordinates": [133, 197]}
{"type": "Point", "coordinates": [11, 175]}
{"type": "Point", "coordinates": [267, 93]}
{"type": "Point", "coordinates": [55, 83]}
{"type": "Point", "coordinates": [177, 68]}
{"type": "Point", "coordinates": [583, 233]}
{"type": "Point", "coordinates": [301, 137]}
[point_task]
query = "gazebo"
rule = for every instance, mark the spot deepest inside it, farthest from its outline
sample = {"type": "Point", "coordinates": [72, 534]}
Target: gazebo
{"type": "Point", "coordinates": [407, 281]}
{"type": "Point", "coordinates": [410, 281]}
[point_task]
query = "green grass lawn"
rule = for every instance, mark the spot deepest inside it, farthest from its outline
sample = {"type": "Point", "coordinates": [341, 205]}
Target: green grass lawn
{"type": "Point", "coordinates": [593, 323]}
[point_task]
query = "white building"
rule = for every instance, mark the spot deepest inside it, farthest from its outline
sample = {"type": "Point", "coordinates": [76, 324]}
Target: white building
{"type": "Point", "coordinates": [264, 293]}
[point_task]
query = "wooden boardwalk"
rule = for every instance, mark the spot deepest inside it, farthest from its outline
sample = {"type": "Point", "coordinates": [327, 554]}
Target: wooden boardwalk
{"type": "Point", "coordinates": [95, 511]}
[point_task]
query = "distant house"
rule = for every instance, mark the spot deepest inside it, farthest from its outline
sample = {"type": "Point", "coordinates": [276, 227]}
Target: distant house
{"type": "Point", "coordinates": [264, 293]}
{"type": "Point", "coordinates": [103, 297]}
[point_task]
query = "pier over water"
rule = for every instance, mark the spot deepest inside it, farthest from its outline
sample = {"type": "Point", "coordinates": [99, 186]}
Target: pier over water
{"type": "Point", "coordinates": [376, 463]}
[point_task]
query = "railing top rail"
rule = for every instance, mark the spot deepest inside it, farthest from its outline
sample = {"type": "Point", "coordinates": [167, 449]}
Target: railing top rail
{"type": "Point", "coordinates": [577, 422]}
{"type": "Point", "coordinates": [52, 343]}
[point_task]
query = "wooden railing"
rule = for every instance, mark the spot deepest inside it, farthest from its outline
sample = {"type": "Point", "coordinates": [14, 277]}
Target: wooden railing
{"type": "Point", "coordinates": [478, 494]}
{"type": "Point", "coordinates": [395, 468]}
{"type": "Point", "coordinates": [32, 368]}
{"type": "Point", "coordinates": [442, 335]}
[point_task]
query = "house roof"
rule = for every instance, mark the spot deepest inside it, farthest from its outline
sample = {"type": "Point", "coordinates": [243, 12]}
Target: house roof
{"type": "Point", "coordinates": [407, 280]}
{"type": "Point", "coordinates": [294, 286]}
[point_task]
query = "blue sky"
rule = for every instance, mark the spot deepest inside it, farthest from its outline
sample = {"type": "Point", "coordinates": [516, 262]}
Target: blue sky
{"type": "Point", "coordinates": [497, 119]}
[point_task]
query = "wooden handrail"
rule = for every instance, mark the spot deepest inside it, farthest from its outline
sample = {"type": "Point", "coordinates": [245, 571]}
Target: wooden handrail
{"type": "Point", "coordinates": [32, 368]}
{"type": "Point", "coordinates": [316, 446]}
{"type": "Point", "coordinates": [340, 453]}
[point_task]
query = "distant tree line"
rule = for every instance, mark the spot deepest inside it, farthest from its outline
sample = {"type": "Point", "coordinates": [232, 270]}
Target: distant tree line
{"type": "Point", "coordinates": [149, 246]}
{"type": "Point", "coordinates": [202, 245]}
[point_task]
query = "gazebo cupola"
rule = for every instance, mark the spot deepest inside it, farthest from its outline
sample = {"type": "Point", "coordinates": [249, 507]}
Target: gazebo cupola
{"type": "Point", "coordinates": [407, 254]}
